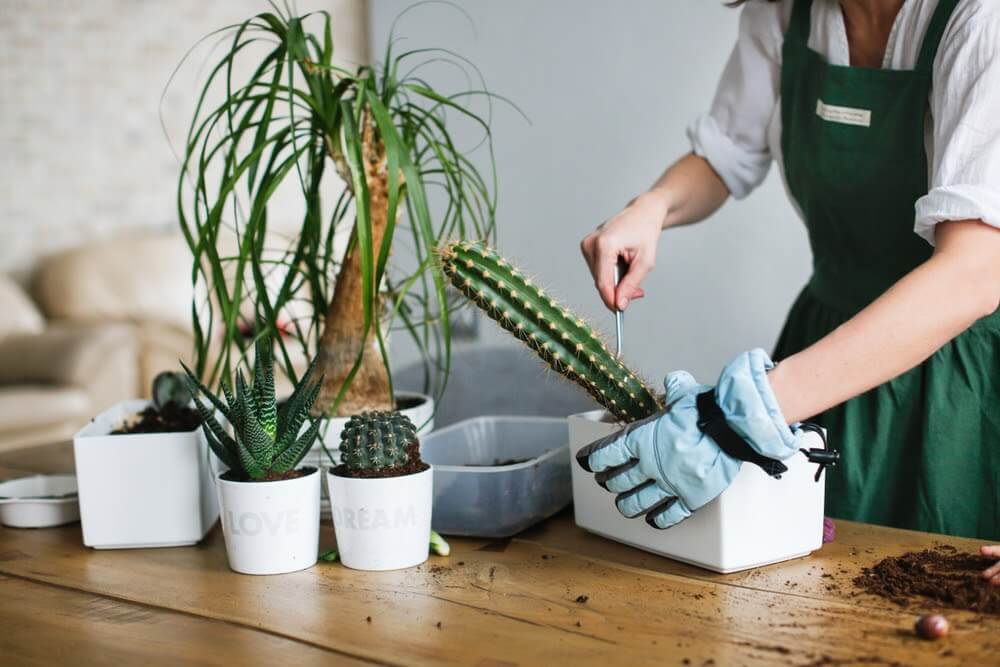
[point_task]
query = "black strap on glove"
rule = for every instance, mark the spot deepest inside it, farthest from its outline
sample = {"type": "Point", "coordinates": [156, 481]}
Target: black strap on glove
{"type": "Point", "coordinates": [712, 423]}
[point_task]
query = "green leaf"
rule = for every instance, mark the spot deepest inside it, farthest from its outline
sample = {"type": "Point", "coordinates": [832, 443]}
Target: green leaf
{"type": "Point", "coordinates": [330, 556]}
{"type": "Point", "coordinates": [438, 544]}
{"type": "Point", "coordinates": [196, 386]}
{"type": "Point", "coordinates": [306, 399]}
{"type": "Point", "coordinates": [257, 441]}
{"type": "Point", "coordinates": [293, 455]}
{"type": "Point", "coordinates": [212, 427]}
{"type": "Point", "coordinates": [230, 457]}
{"type": "Point", "coordinates": [292, 412]}
{"type": "Point", "coordinates": [248, 463]}
{"type": "Point", "coordinates": [263, 389]}
{"type": "Point", "coordinates": [244, 397]}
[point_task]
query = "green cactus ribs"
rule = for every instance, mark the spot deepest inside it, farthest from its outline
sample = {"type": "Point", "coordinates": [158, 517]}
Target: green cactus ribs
{"type": "Point", "coordinates": [379, 444]}
{"type": "Point", "coordinates": [564, 341]}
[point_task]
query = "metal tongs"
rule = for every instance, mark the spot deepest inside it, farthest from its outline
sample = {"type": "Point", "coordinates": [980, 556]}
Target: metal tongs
{"type": "Point", "coordinates": [621, 268]}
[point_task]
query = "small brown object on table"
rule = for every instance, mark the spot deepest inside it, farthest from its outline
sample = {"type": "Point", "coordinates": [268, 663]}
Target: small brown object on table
{"type": "Point", "coordinates": [508, 602]}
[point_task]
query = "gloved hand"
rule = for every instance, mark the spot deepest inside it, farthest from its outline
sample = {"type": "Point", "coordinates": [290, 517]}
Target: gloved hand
{"type": "Point", "coordinates": [667, 466]}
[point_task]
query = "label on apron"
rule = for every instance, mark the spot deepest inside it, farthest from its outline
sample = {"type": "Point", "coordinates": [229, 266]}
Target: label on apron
{"type": "Point", "coordinates": [844, 115]}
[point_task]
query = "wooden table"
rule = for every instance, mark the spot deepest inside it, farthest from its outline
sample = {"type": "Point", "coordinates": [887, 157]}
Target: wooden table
{"type": "Point", "coordinates": [554, 595]}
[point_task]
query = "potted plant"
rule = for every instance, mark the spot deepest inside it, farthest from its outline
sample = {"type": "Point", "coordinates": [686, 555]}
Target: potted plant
{"type": "Point", "coordinates": [756, 521]}
{"type": "Point", "coordinates": [381, 494]}
{"type": "Point", "coordinates": [270, 505]}
{"type": "Point", "coordinates": [330, 285]}
{"type": "Point", "coordinates": [129, 445]}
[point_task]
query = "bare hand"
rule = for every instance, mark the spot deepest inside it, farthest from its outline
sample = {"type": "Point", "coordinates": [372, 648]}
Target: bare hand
{"type": "Point", "coordinates": [992, 573]}
{"type": "Point", "coordinates": [631, 234]}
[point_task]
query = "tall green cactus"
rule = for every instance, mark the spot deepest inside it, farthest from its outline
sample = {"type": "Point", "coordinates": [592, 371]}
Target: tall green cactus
{"type": "Point", "coordinates": [563, 340]}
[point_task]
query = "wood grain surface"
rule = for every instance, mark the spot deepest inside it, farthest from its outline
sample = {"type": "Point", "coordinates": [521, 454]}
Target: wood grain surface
{"type": "Point", "coordinates": [554, 595]}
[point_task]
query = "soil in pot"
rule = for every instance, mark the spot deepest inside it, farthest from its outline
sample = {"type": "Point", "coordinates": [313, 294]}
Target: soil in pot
{"type": "Point", "coordinates": [409, 402]}
{"type": "Point", "coordinates": [939, 577]}
{"type": "Point", "coordinates": [233, 476]}
{"type": "Point", "coordinates": [168, 419]}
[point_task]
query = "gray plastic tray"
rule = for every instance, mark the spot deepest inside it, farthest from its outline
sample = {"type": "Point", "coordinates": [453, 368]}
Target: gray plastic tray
{"type": "Point", "coordinates": [475, 497]}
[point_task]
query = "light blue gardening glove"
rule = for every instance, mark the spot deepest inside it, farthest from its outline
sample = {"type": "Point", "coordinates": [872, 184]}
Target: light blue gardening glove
{"type": "Point", "coordinates": [666, 466]}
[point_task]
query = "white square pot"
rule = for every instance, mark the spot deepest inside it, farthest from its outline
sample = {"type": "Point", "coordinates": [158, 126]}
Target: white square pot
{"type": "Point", "coordinates": [142, 490]}
{"type": "Point", "coordinates": [271, 527]}
{"type": "Point", "coordinates": [758, 520]}
{"type": "Point", "coordinates": [382, 523]}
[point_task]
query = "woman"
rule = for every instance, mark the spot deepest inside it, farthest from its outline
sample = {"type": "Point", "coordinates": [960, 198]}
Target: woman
{"type": "Point", "coordinates": [884, 118]}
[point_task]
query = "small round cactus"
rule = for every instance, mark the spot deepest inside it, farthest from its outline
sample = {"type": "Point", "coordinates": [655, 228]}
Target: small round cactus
{"type": "Point", "coordinates": [376, 441]}
{"type": "Point", "coordinates": [170, 388]}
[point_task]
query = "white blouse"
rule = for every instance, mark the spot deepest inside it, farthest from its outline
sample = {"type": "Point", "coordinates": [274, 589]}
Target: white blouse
{"type": "Point", "coordinates": [742, 131]}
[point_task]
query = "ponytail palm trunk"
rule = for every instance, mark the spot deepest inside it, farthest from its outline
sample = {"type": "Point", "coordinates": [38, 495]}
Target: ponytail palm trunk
{"type": "Point", "coordinates": [345, 337]}
{"type": "Point", "coordinates": [388, 136]}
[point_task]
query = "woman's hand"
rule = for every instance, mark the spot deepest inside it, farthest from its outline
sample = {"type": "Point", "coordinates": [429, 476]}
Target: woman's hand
{"type": "Point", "coordinates": [631, 234]}
{"type": "Point", "coordinates": [992, 573]}
{"type": "Point", "coordinates": [687, 192]}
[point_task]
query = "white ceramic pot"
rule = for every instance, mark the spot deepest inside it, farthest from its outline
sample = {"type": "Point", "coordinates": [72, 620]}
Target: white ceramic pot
{"type": "Point", "coordinates": [758, 520]}
{"type": "Point", "coordinates": [271, 527]}
{"type": "Point", "coordinates": [142, 490]}
{"type": "Point", "coordinates": [382, 523]}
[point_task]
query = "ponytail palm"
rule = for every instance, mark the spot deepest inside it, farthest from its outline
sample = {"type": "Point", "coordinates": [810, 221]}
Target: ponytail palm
{"type": "Point", "coordinates": [385, 132]}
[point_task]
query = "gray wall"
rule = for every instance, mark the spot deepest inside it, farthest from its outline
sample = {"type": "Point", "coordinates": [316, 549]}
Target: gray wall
{"type": "Point", "coordinates": [609, 88]}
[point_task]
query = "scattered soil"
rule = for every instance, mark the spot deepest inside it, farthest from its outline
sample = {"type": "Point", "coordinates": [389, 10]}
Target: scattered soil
{"type": "Point", "coordinates": [942, 576]}
{"type": "Point", "coordinates": [170, 419]}
{"type": "Point", "coordinates": [412, 466]}
{"type": "Point", "coordinates": [497, 462]}
{"type": "Point", "coordinates": [235, 476]}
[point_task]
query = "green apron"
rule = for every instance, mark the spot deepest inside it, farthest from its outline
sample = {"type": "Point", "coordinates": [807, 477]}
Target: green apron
{"type": "Point", "coordinates": [923, 450]}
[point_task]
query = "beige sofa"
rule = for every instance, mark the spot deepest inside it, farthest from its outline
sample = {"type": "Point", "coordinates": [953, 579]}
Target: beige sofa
{"type": "Point", "coordinates": [105, 319]}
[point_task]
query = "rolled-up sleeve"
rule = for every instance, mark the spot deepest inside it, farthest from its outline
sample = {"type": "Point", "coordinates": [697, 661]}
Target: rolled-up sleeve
{"type": "Point", "coordinates": [732, 136]}
{"type": "Point", "coordinates": [965, 116]}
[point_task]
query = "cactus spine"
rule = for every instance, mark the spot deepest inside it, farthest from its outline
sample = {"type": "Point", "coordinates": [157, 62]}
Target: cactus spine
{"type": "Point", "coordinates": [564, 341]}
{"type": "Point", "coordinates": [374, 441]}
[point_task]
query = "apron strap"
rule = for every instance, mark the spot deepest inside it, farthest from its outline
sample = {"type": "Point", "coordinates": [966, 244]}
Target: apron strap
{"type": "Point", "coordinates": [935, 31]}
{"type": "Point", "coordinates": [799, 25]}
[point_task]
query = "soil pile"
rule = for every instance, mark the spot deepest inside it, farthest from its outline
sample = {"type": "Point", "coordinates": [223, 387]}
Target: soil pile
{"type": "Point", "coordinates": [942, 576]}
{"type": "Point", "coordinates": [168, 419]}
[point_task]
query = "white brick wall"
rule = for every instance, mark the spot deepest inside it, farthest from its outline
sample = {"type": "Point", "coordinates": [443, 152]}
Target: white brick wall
{"type": "Point", "coordinates": [82, 152]}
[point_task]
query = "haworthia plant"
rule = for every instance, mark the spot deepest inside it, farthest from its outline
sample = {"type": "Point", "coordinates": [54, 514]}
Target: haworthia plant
{"type": "Point", "coordinates": [563, 340]}
{"type": "Point", "coordinates": [265, 443]}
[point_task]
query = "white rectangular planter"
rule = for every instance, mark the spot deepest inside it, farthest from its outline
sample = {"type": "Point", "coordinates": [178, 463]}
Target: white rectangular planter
{"type": "Point", "coordinates": [142, 490]}
{"type": "Point", "coordinates": [758, 520]}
